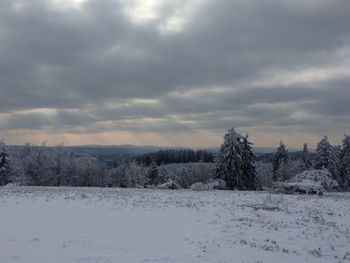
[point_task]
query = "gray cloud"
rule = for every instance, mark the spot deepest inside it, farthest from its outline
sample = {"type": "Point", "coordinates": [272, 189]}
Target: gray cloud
{"type": "Point", "coordinates": [97, 70]}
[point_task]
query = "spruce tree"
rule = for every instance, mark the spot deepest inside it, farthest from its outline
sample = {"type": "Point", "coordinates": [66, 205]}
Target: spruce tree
{"type": "Point", "coordinates": [235, 162]}
{"type": "Point", "coordinates": [345, 161]}
{"type": "Point", "coordinates": [323, 154]}
{"type": "Point", "coordinates": [327, 157]}
{"type": "Point", "coordinates": [280, 163]}
{"type": "Point", "coordinates": [4, 164]}
{"type": "Point", "coordinates": [229, 161]}
{"type": "Point", "coordinates": [249, 174]}
{"type": "Point", "coordinates": [305, 158]}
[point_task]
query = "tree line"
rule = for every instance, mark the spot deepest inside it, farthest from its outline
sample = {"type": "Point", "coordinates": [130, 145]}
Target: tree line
{"type": "Point", "coordinates": [333, 158]}
{"type": "Point", "coordinates": [233, 167]}
{"type": "Point", "coordinates": [175, 156]}
{"type": "Point", "coordinates": [55, 166]}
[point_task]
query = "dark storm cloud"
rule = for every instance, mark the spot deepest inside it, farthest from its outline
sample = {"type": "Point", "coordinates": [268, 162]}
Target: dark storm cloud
{"type": "Point", "coordinates": [94, 66]}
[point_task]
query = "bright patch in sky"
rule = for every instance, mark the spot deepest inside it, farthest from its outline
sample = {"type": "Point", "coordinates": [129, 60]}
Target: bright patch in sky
{"type": "Point", "coordinates": [141, 11]}
{"type": "Point", "coordinates": [68, 4]}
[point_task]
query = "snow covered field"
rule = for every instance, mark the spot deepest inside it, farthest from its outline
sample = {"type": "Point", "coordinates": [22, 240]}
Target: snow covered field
{"type": "Point", "coordinates": [43, 225]}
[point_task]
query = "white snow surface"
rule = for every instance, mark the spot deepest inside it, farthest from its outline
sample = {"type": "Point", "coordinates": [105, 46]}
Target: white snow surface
{"type": "Point", "coordinates": [48, 224]}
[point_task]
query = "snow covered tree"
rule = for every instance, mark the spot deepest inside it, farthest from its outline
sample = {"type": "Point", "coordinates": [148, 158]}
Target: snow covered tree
{"type": "Point", "coordinates": [119, 175]}
{"type": "Point", "coordinates": [153, 174]}
{"type": "Point", "coordinates": [89, 170]}
{"type": "Point", "coordinates": [308, 182]}
{"type": "Point", "coordinates": [136, 175]}
{"type": "Point", "coordinates": [264, 173]}
{"type": "Point", "coordinates": [345, 161]}
{"type": "Point", "coordinates": [4, 164]}
{"type": "Point", "coordinates": [235, 162]}
{"type": "Point", "coordinates": [284, 172]}
{"type": "Point", "coordinates": [305, 158]}
{"type": "Point", "coordinates": [327, 157]}
{"type": "Point", "coordinates": [280, 163]}
{"type": "Point", "coordinates": [162, 173]}
{"type": "Point", "coordinates": [59, 163]}
{"type": "Point", "coordinates": [323, 156]}
{"type": "Point", "coordinates": [337, 164]}
{"type": "Point", "coordinates": [249, 173]}
{"type": "Point", "coordinates": [229, 160]}
{"type": "Point", "coordinates": [37, 165]}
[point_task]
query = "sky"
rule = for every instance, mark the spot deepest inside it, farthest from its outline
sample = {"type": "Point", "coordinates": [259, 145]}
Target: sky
{"type": "Point", "coordinates": [174, 73]}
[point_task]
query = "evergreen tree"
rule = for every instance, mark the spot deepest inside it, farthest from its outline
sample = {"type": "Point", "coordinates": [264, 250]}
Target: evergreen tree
{"type": "Point", "coordinates": [4, 164]}
{"type": "Point", "coordinates": [280, 162]}
{"type": "Point", "coordinates": [323, 156]}
{"type": "Point", "coordinates": [249, 173]}
{"type": "Point", "coordinates": [235, 162]}
{"type": "Point", "coordinates": [337, 163]}
{"type": "Point", "coordinates": [153, 174]}
{"type": "Point", "coordinates": [229, 160]}
{"type": "Point", "coordinates": [327, 157]}
{"type": "Point", "coordinates": [345, 161]}
{"type": "Point", "coordinates": [305, 158]}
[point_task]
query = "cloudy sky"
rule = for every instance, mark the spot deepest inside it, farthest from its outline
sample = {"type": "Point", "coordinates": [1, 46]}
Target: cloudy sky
{"type": "Point", "coordinates": [174, 73]}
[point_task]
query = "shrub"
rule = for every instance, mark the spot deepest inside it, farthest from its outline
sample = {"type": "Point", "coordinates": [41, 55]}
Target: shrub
{"type": "Point", "coordinates": [218, 184]}
{"type": "Point", "coordinates": [199, 186]}
{"type": "Point", "coordinates": [170, 184]}
{"type": "Point", "coordinates": [308, 182]}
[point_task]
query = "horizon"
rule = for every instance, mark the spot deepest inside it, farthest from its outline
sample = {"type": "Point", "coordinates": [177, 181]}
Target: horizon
{"type": "Point", "coordinates": [268, 149]}
{"type": "Point", "coordinates": [174, 73]}
{"type": "Point", "coordinates": [298, 144]}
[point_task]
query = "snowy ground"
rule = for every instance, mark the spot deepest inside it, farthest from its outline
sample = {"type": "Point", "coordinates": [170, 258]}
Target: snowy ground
{"type": "Point", "coordinates": [43, 225]}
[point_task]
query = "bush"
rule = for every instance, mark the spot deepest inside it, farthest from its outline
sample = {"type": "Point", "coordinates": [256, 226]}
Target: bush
{"type": "Point", "coordinates": [308, 182]}
{"type": "Point", "coordinates": [186, 174]}
{"type": "Point", "coordinates": [170, 184]}
{"type": "Point", "coordinates": [199, 186]}
{"type": "Point", "coordinates": [218, 184]}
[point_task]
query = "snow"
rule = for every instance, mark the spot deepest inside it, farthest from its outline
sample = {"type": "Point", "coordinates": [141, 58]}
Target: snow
{"type": "Point", "coordinates": [311, 181]}
{"type": "Point", "coordinates": [42, 224]}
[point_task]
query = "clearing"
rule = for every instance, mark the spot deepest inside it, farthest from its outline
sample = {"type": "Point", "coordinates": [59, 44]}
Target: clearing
{"type": "Point", "coordinates": [49, 224]}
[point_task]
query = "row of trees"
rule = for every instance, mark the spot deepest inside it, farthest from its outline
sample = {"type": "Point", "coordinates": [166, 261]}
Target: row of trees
{"type": "Point", "coordinates": [54, 166]}
{"type": "Point", "coordinates": [336, 159]}
{"type": "Point", "coordinates": [175, 156]}
{"type": "Point", "coordinates": [235, 164]}
{"type": "Point", "coordinates": [41, 165]}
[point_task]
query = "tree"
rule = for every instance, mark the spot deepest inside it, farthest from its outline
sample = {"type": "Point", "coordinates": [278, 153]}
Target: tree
{"type": "Point", "coordinates": [153, 174]}
{"type": "Point", "coordinates": [229, 160]}
{"type": "Point", "coordinates": [248, 169]}
{"type": "Point", "coordinates": [305, 158]}
{"type": "Point", "coordinates": [235, 162]}
{"type": "Point", "coordinates": [4, 164]}
{"type": "Point", "coordinates": [280, 163]}
{"type": "Point", "coordinates": [59, 159]}
{"type": "Point", "coordinates": [89, 169]}
{"type": "Point", "coordinates": [136, 175]}
{"type": "Point", "coordinates": [345, 161]}
{"type": "Point", "coordinates": [327, 157]}
{"type": "Point", "coordinates": [37, 165]}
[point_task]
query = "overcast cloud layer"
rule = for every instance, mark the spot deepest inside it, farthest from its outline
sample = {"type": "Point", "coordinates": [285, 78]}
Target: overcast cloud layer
{"type": "Point", "coordinates": [174, 72]}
